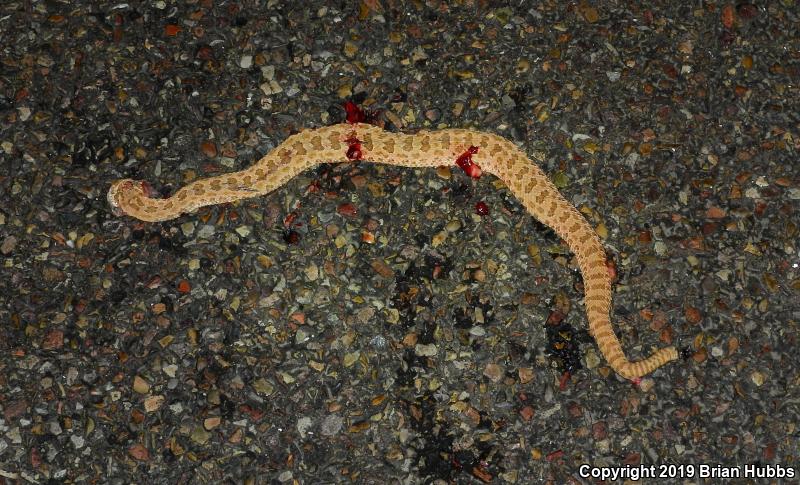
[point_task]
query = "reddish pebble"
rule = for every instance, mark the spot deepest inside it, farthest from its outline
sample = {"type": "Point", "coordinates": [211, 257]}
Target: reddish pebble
{"type": "Point", "coordinates": [632, 459]}
{"type": "Point", "coordinates": [728, 16]}
{"type": "Point", "coordinates": [761, 207]}
{"type": "Point", "coordinates": [715, 212]}
{"type": "Point", "coordinates": [137, 416]}
{"type": "Point", "coordinates": [693, 315]}
{"type": "Point", "coordinates": [21, 95]}
{"type": "Point", "coordinates": [769, 452]}
{"type": "Point", "coordinates": [14, 408]}
{"type": "Point", "coordinates": [708, 228]}
{"type": "Point", "coordinates": [53, 340]}
{"type": "Point", "coordinates": [255, 414]}
{"type": "Point", "coordinates": [139, 452]}
{"type": "Point", "coordinates": [555, 317]}
{"type": "Point", "coordinates": [209, 149]}
{"type": "Point", "coordinates": [562, 383]}
{"type": "Point", "coordinates": [367, 237]}
{"type": "Point", "coordinates": [172, 30]}
{"type": "Point", "coordinates": [575, 409]}
{"type": "Point", "coordinates": [204, 53]}
{"type": "Point", "coordinates": [36, 457]}
{"type": "Point", "coordinates": [599, 430]}
{"type": "Point", "coordinates": [482, 209]}
{"type": "Point", "coordinates": [184, 286]}
{"type": "Point", "coordinates": [347, 209]}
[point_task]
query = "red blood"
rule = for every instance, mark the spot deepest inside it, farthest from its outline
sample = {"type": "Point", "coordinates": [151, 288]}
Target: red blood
{"type": "Point", "coordinates": [354, 152]}
{"type": "Point", "coordinates": [354, 148]}
{"type": "Point", "coordinates": [465, 159]}
{"type": "Point", "coordinates": [357, 115]}
{"type": "Point", "coordinates": [474, 171]}
{"type": "Point", "coordinates": [465, 162]}
{"type": "Point", "coordinates": [482, 209]}
{"type": "Point", "coordinates": [354, 113]}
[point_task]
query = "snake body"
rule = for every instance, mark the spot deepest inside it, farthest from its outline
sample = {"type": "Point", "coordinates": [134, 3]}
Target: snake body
{"type": "Point", "coordinates": [347, 142]}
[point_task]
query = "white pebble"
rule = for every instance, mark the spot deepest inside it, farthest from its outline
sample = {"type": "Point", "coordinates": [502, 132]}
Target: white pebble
{"type": "Point", "coordinates": [303, 425]}
{"type": "Point", "coordinates": [77, 441]}
{"type": "Point", "coordinates": [426, 350]}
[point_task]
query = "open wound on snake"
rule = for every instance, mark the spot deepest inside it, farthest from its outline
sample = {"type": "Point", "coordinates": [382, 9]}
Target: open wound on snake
{"type": "Point", "coordinates": [475, 152]}
{"type": "Point", "coordinates": [467, 165]}
{"type": "Point", "coordinates": [353, 148]}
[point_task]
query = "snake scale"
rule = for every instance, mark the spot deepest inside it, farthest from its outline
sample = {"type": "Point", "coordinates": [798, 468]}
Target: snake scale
{"type": "Point", "coordinates": [359, 141]}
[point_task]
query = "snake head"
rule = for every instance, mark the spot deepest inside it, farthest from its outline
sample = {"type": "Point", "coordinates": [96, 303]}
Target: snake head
{"type": "Point", "coordinates": [128, 188]}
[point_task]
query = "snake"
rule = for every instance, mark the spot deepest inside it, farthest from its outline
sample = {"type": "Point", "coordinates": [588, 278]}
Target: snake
{"type": "Point", "coordinates": [475, 151]}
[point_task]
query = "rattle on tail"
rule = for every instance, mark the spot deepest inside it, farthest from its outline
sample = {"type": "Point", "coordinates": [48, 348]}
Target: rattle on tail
{"type": "Point", "coordinates": [347, 142]}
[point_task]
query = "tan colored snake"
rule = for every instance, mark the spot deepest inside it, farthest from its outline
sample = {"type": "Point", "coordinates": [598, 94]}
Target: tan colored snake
{"type": "Point", "coordinates": [344, 142]}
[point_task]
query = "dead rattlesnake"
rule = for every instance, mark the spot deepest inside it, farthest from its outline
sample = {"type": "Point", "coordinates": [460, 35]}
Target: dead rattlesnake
{"type": "Point", "coordinates": [473, 150]}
